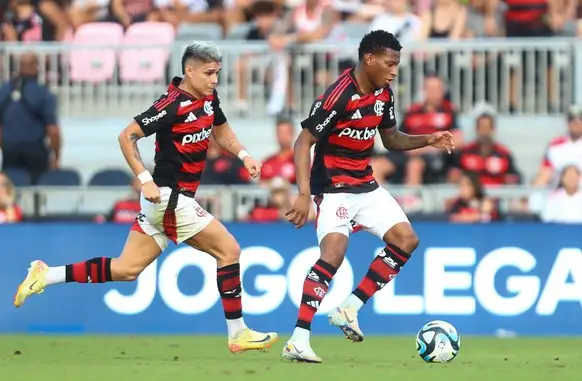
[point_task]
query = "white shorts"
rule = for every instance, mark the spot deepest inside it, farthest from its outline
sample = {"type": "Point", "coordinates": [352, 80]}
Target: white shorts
{"type": "Point", "coordinates": [175, 218]}
{"type": "Point", "coordinates": [375, 212]}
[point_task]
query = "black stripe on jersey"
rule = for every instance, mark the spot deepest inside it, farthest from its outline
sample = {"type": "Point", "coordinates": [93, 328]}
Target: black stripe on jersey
{"type": "Point", "coordinates": [333, 150]}
{"type": "Point", "coordinates": [347, 172]}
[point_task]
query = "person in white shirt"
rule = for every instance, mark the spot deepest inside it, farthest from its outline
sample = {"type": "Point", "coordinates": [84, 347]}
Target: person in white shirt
{"type": "Point", "coordinates": [565, 204]}
{"type": "Point", "coordinates": [398, 20]}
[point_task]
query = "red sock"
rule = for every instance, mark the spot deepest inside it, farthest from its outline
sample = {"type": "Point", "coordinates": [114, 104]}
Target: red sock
{"type": "Point", "coordinates": [314, 289]}
{"type": "Point", "coordinates": [382, 270]}
{"type": "Point", "coordinates": [228, 278]}
{"type": "Point", "coordinates": [96, 270]}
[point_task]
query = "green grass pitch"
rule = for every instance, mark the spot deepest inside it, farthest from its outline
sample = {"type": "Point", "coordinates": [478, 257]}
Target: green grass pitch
{"type": "Point", "coordinates": [201, 358]}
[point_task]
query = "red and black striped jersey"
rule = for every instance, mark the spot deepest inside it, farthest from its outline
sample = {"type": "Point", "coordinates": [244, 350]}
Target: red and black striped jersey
{"type": "Point", "coordinates": [182, 125]}
{"type": "Point", "coordinates": [345, 121]}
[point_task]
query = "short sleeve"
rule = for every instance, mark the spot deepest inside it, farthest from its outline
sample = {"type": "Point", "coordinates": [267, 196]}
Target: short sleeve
{"type": "Point", "coordinates": [389, 117]}
{"type": "Point", "coordinates": [49, 109]}
{"type": "Point", "coordinates": [162, 114]}
{"type": "Point", "coordinates": [327, 110]}
{"type": "Point", "coordinates": [219, 117]}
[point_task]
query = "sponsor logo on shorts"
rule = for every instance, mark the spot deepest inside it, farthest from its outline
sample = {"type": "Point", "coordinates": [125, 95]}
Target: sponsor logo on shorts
{"type": "Point", "coordinates": [155, 118]}
{"type": "Point", "coordinates": [356, 134]}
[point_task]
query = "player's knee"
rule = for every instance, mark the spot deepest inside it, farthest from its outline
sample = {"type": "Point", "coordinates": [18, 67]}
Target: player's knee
{"type": "Point", "coordinates": [403, 236]}
{"type": "Point", "coordinates": [333, 249]}
{"type": "Point", "coordinates": [229, 252]}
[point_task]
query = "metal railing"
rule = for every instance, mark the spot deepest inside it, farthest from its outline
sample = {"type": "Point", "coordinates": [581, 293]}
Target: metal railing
{"type": "Point", "coordinates": [534, 76]}
{"type": "Point", "coordinates": [235, 202]}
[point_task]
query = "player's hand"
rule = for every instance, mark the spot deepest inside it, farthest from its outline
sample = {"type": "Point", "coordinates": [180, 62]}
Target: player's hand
{"type": "Point", "coordinates": [443, 140]}
{"type": "Point", "coordinates": [151, 192]}
{"type": "Point", "coordinates": [299, 213]}
{"type": "Point", "coordinates": [253, 166]}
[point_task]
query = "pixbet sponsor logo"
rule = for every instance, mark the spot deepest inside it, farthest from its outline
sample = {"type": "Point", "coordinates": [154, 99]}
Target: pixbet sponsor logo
{"type": "Point", "coordinates": [353, 133]}
{"type": "Point", "coordinates": [456, 282]}
{"type": "Point", "coordinates": [197, 137]}
{"type": "Point", "coordinates": [155, 118]}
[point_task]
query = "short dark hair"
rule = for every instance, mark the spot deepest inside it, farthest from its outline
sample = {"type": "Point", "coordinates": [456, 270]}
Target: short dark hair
{"type": "Point", "coordinates": [201, 51]}
{"type": "Point", "coordinates": [263, 8]}
{"type": "Point", "coordinates": [376, 41]}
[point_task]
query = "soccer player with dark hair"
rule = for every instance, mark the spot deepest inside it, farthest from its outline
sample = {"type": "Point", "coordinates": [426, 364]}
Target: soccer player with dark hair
{"type": "Point", "coordinates": [342, 124]}
{"type": "Point", "coordinates": [183, 119]}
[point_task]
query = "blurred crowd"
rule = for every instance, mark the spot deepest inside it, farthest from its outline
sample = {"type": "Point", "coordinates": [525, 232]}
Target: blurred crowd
{"type": "Point", "coordinates": [475, 167]}
{"type": "Point", "coordinates": [284, 21]}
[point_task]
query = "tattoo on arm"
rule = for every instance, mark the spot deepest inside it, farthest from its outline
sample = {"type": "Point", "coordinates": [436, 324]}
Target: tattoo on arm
{"type": "Point", "coordinates": [134, 138]}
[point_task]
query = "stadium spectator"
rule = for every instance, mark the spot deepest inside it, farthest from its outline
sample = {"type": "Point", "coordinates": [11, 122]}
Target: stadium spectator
{"type": "Point", "coordinates": [445, 19]}
{"type": "Point", "coordinates": [222, 168]}
{"type": "Point", "coordinates": [484, 19]}
{"type": "Point", "coordinates": [86, 11]}
{"type": "Point", "coordinates": [426, 165]}
{"type": "Point", "coordinates": [128, 12]}
{"type": "Point", "coordinates": [22, 22]}
{"type": "Point", "coordinates": [528, 18]}
{"type": "Point", "coordinates": [488, 159]}
{"type": "Point", "coordinates": [28, 115]}
{"type": "Point", "coordinates": [125, 211]}
{"type": "Point", "coordinates": [472, 204]}
{"type": "Point", "coordinates": [266, 15]}
{"type": "Point", "coordinates": [200, 11]}
{"type": "Point", "coordinates": [360, 10]}
{"type": "Point", "coordinates": [311, 21]}
{"type": "Point", "coordinates": [281, 163]}
{"type": "Point", "coordinates": [563, 151]}
{"type": "Point", "coordinates": [398, 20]}
{"type": "Point", "coordinates": [55, 20]}
{"type": "Point", "coordinates": [10, 212]}
{"type": "Point", "coordinates": [564, 17]}
{"type": "Point", "coordinates": [280, 201]}
{"type": "Point", "coordinates": [565, 204]}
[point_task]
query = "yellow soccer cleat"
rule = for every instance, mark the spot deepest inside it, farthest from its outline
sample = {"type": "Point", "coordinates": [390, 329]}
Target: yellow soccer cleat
{"type": "Point", "coordinates": [34, 283]}
{"type": "Point", "coordinates": [249, 340]}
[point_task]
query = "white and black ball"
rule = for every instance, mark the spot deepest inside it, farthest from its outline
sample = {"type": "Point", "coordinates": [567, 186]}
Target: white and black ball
{"type": "Point", "coordinates": [438, 341]}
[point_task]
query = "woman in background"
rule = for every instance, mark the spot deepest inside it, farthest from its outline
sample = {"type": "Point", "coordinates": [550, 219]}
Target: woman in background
{"type": "Point", "coordinates": [472, 205]}
{"type": "Point", "coordinates": [10, 212]}
{"type": "Point", "coordinates": [565, 204]}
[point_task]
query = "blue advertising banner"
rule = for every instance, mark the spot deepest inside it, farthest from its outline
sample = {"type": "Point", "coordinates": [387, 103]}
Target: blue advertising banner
{"type": "Point", "coordinates": [523, 279]}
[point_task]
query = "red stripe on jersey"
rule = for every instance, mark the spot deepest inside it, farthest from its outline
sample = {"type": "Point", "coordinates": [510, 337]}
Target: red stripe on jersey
{"type": "Point", "coordinates": [336, 93]}
{"type": "Point", "coordinates": [349, 180]}
{"type": "Point", "coordinates": [163, 103]}
{"type": "Point", "coordinates": [351, 144]}
{"type": "Point", "coordinates": [191, 147]}
{"type": "Point", "coordinates": [346, 163]}
{"type": "Point", "coordinates": [193, 168]}
{"type": "Point", "coordinates": [189, 185]}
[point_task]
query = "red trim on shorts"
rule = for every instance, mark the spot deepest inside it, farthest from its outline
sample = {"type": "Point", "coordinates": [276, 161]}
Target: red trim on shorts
{"type": "Point", "coordinates": [169, 223]}
{"type": "Point", "coordinates": [137, 227]}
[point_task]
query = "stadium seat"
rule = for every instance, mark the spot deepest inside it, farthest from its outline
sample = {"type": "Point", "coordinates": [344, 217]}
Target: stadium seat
{"type": "Point", "coordinates": [239, 31]}
{"type": "Point", "coordinates": [110, 177]}
{"type": "Point", "coordinates": [19, 177]}
{"type": "Point", "coordinates": [60, 177]}
{"type": "Point", "coordinates": [355, 30]}
{"type": "Point", "coordinates": [200, 32]}
{"type": "Point", "coordinates": [95, 65]}
{"type": "Point", "coordinates": [146, 65]}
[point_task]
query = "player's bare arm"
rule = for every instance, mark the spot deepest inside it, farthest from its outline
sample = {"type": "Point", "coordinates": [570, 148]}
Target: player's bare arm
{"type": "Point", "coordinates": [299, 213]}
{"type": "Point", "coordinates": [128, 139]}
{"type": "Point", "coordinates": [227, 140]}
{"type": "Point", "coordinates": [394, 140]}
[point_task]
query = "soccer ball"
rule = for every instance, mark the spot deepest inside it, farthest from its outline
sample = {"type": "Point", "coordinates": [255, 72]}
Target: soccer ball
{"type": "Point", "coordinates": [438, 341]}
